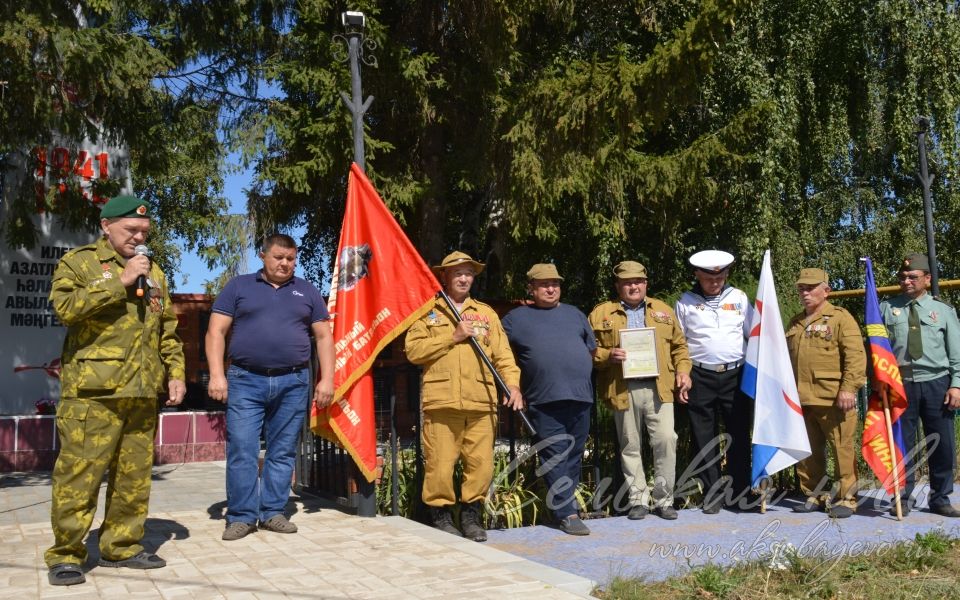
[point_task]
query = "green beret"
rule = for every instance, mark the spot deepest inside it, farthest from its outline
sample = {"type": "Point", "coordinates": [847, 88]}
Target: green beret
{"type": "Point", "coordinates": [125, 206]}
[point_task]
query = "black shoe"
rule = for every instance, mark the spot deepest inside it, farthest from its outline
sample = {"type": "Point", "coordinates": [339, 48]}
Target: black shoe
{"type": "Point", "coordinates": [807, 507]}
{"type": "Point", "coordinates": [945, 510]}
{"type": "Point", "coordinates": [574, 525]}
{"type": "Point", "coordinates": [471, 522]}
{"type": "Point", "coordinates": [66, 574]}
{"type": "Point", "coordinates": [143, 560]}
{"type": "Point", "coordinates": [712, 508]}
{"type": "Point", "coordinates": [905, 507]}
{"type": "Point", "coordinates": [666, 512]}
{"type": "Point", "coordinates": [840, 512]}
{"type": "Point", "coordinates": [443, 520]}
{"type": "Point", "coordinates": [637, 512]}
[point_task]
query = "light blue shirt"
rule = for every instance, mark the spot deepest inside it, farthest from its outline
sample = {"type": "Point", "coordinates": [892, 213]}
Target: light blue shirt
{"type": "Point", "coordinates": [635, 316]}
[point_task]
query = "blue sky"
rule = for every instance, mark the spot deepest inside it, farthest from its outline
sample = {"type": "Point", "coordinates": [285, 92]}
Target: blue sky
{"type": "Point", "coordinates": [191, 266]}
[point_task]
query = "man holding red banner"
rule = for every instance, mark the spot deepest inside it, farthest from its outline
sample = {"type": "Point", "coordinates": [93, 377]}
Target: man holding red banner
{"type": "Point", "coordinates": [829, 362]}
{"type": "Point", "coordinates": [925, 337]}
{"type": "Point", "coordinates": [459, 396]}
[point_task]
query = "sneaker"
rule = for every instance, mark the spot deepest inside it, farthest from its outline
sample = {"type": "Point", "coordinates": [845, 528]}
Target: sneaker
{"type": "Point", "coordinates": [808, 507]}
{"type": "Point", "coordinates": [840, 512]}
{"type": "Point", "coordinates": [471, 522]}
{"type": "Point", "coordinates": [443, 520]}
{"type": "Point", "coordinates": [666, 512]}
{"type": "Point", "coordinates": [637, 512]}
{"type": "Point", "coordinates": [237, 530]}
{"type": "Point", "coordinates": [573, 525]}
{"type": "Point", "coordinates": [278, 524]}
{"type": "Point", "coordinates": [945, 510]}
{"type": "Point", "coordinates": [712, 508]}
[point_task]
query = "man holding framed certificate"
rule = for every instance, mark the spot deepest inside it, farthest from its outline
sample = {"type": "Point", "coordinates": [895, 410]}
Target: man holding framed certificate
{"type": "Point", "coordinates": [641, 360]}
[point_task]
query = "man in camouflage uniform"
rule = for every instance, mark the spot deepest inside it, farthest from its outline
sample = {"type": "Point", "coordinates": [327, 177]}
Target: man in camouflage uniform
{"type": "Point", "coordinates": [121, 344]}
{"type": "Point", "coordinates": [459, 396]}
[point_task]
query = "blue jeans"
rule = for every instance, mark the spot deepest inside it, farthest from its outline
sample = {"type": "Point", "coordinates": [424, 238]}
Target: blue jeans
{"type": "Point", "coordinates": [253, 400]}
{"type": "Point", "coordinates": [562, 428]}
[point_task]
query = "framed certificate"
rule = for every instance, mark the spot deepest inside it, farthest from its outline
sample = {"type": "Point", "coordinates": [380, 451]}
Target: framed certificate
{"type": "Point", "coordinates": [640, 344]}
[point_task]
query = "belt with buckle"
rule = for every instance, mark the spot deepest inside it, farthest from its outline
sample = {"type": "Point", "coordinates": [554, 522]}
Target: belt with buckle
{"type": "Point", "coordinates": [719, 368]}
{"type": "Point", "coordinates": [272, 372]}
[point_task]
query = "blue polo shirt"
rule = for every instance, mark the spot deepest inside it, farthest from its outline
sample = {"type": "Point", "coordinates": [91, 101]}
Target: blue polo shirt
{"type": "Point", "coordinates": [271, 326]}
{"type": "Point", "coordinates": [554, 349]}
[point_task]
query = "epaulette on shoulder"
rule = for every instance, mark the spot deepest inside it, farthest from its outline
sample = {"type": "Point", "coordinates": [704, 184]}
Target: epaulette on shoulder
{"type": "Point", "coordinates": [483, 304]}
{"type": "Point", "coordinates": [604, 303]}
{"type": "Point", "coordinates": [945, 303]}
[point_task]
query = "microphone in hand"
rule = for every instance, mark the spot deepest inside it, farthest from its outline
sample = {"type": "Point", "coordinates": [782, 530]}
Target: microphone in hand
{"type": "Point", "coordinates": [141, 250]}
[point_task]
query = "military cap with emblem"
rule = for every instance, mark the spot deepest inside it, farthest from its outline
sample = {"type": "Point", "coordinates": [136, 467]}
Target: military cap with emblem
{"type": "Point", "coordinates": [812, 276]}
{"type": "Point", "coordinates": [455, 259]}
{"type": "Point", "coordinates": [125, 206]}
{"type": "Point", "coordinates": [630, 269]}
{"type": "Point", "coordinates": [711, 261]}
{"type": "Point", "coordinates": [544, 271]}
{"type": "Point", "coordinates": [914, 262]}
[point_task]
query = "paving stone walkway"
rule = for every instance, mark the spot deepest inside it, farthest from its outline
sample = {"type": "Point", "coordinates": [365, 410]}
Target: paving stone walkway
{"type": "Point", "coordinates": [334, 555]}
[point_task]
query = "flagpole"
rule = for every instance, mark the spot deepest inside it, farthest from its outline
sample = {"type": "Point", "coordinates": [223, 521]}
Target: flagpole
{"type": "Point", "coordinates": [893, 451]}
{"type": "Point", "coordinates": [501, 384]}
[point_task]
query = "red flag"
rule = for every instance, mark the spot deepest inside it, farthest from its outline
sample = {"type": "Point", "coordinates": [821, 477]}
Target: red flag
{"type": "Point", "coordinates": [875, 446]}
{"type": "Point", "coordinates": [380, 287]}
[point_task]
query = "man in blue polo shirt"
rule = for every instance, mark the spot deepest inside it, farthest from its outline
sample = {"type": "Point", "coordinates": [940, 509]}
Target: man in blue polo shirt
{"type": "Point", "coordinates": [554, 346]}
{"type": "Point", "coordinates": [272, 314]}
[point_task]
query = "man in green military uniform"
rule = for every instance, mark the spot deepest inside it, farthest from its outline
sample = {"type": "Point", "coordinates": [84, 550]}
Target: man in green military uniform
{"type": "Point", "coordinates": [830, 364]}
{"type": "Point", "coordinates": [121, 344]}
{"type": "Point", "coordinates": [459, 397]}
{"type": "Point", "coordinates": [925, 337]}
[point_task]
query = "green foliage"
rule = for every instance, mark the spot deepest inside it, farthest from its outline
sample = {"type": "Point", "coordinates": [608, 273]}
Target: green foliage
{"type": "Point", "coordinates": [162, 79]}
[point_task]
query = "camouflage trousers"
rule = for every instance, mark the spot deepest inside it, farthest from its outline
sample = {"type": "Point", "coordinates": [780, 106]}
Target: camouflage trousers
{"type": "Point", "coordinates": [97, 436]}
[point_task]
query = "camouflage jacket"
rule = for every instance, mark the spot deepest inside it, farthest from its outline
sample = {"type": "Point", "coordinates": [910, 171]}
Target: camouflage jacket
{"type": "Point", "coordinates": [117, 345]}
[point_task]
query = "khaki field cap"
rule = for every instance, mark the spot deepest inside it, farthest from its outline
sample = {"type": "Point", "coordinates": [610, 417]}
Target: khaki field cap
{"type": "Point", "coordinates": [544, 271]}
{"type": "Point", "coordinates": [630, 269]}
{"type": "Point", "coordinates": [812, 277]}
{"type": "Point", "coordinates": [914, 262]}
{"type": "Point", "coordinates": [457, 258]}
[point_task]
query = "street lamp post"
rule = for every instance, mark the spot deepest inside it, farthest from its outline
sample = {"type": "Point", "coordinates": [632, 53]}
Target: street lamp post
{"type": "Point", "coordinates": [354, 22]}
{"type": "Point", "coordinates": [923, 125]}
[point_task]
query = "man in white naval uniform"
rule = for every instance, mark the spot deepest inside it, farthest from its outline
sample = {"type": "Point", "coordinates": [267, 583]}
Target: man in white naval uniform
{"type": "Point", "coordinates": [715, 318]}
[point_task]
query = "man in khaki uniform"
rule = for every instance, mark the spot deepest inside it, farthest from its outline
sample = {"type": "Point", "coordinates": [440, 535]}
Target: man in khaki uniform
{"type": "Point", "coordinates": [121, 345]}
{"type": "Point", "coordinates": [830, 363]}
{"type": "Point", "coordinates": [638, 402]}
{"type": "Point", "coordinates": [459, 396]}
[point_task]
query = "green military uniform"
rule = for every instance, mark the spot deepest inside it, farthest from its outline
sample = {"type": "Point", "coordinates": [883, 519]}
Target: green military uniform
{"type": "Point", "coordinates": [118, 350]}
{"type": "Point", "coordinates": [459, 399]}
{"type": "Point", "coordinates": [828, 357]}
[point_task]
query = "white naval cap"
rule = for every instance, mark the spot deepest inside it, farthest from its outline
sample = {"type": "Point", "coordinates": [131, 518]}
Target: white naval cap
{"type": "Point", "coordinates": [712, 261]}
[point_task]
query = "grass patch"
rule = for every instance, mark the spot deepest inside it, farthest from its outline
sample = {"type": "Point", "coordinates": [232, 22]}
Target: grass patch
{"type": "Point", "coordinates": [927, 567]}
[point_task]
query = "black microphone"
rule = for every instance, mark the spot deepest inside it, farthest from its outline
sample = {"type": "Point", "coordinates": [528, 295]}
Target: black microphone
{"type": "Point", "coordinates": [141, 250]}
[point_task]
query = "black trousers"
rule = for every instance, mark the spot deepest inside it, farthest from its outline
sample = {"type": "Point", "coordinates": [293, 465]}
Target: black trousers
{"type": "Point", "coordinates": [925, 404]}
{"type": "Point", "coordinates": [712, 397]}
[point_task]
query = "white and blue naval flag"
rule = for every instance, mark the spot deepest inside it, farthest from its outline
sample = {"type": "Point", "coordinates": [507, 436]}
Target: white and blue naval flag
{"type": "Point", "coordinates": [779, 435]}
